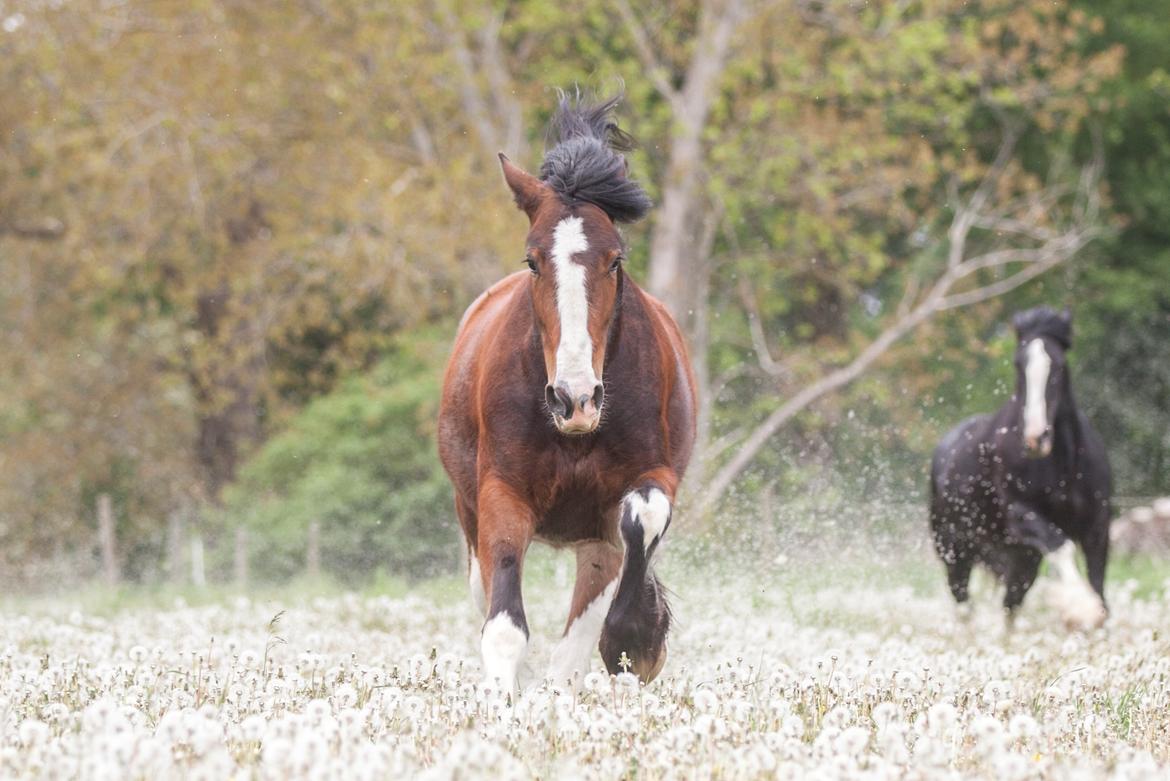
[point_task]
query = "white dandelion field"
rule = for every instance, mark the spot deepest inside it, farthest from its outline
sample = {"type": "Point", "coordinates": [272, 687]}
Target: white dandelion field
{"type": "Point", "coordinates": [773, 673]}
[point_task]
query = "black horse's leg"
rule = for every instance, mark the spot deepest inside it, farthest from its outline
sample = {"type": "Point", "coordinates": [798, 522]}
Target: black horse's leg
{"type": "Point", "coordinates": [1096, 548]}
{"type": "Point", "coordinates": [1078, 607]}
{"type": "Point", "coordinates": [956, 554]}
{"type": "Point", "coordinates": [1028, 527]}
{"type": "Point", "coordinates": [958, 576]}
{"type": "Point", "coordinates": [1023, 564]}
{"type": "Point", "coordinates": [633, 638]}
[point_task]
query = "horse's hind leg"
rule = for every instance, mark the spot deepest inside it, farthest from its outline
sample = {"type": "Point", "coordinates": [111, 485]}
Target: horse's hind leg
{"type": "Point", "coordinates": [1022, 566]}
{"type": "Point", "coordinates": [634, 636]}
{"type": "Point", "coordinates": [956, 556]}
{"type": "Point", "coordinates": [598, 566]}
{"type": "Point", "coordinates": [958, 581]}
{"type": "Point", "coordinates": [1096, 548]}
{"type": "Point", "coordinates": [475, 583]}
{"type": "Point", "coordinates": [505, 529]}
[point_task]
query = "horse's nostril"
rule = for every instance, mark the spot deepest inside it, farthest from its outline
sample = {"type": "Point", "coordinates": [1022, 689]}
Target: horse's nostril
{"type": "Point", "coordinates": [553, 399]}
{"type": "Point", "coordinates": [598, 395]}
{"type": "Point", "coordinates": [560, 403]}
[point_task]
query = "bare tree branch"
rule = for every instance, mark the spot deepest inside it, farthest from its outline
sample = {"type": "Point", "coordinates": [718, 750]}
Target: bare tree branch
{"type": "Point", "coordinates": [965, 215]}
{"type": "Point", "coordinates": [494, 114]}
{"type": "Point", "coordinates": [655, 70]}
{"type": "Point", "coordinates": [768, 364]}
{"type": "Point", "coordinates": [940, 297]}
{"type": "Point", "coordinates": [44, 229]}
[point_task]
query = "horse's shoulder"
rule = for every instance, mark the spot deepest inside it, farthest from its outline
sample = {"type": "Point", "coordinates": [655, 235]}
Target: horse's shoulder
{"type": "Point", "coordinates": [466, 365]}
{"type": "Point", "coordinates": [667, 331]}
{"type": "Point", "coordinates": [969, 430]}
{"type": "Point", "coordinates": [492, 299]}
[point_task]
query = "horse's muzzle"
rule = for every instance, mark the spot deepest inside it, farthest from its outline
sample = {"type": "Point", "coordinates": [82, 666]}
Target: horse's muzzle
{"type": "Point", "coordinates": [1038, 447]}
{"type": "Point", "coordinates": [574, 412]}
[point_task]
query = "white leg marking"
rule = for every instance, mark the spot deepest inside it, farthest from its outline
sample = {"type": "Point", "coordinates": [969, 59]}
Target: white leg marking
{"type": "Point", "coordinates": [652, 513]}
{"type": "Point", "coordinates": [1079, 605]}
{"type": "Point", "coordinates": [575, 350]}
{"type": "Point", "coordinates": [503, 645]}
{"type": "Point", "coordinates": [576, 649]}
{"type": "Point", "coordinates": [475, 581]}
{"type": "Point", "coordinates": [1035, 383]}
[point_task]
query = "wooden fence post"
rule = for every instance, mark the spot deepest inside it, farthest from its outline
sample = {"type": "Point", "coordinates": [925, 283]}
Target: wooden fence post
{"type": "Point", "coordinates": [105, 518]}
{"type": "Point", "coordinates": [175, 534]}
{"type": "Point", "coordinates": [313, 553]}
{"type": "Point", "coordinates": [198, 574]}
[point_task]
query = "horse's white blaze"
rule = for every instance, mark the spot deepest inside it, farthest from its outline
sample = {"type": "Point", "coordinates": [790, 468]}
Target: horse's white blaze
{"type": "Point", "coordinates": [575, 351]}
{"type": "Point", "coordinates": [652, 513]}
{"type": "Point", "coordinates": [1079, 605]}
{"type": "Point", "coordinates": [1036, 369]}
{"type": "Point", "coordinates": [575, 650]}
{"type": "Point", "coordinates": [503, 645]}
{"type": "Point", "coordinates": [475, 581]}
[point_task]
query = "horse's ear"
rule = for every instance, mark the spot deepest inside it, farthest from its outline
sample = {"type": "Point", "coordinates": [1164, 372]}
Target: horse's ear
{"type": "Point", "coordinates": [1017, 323]}
{"type": "Point", "coordinates": [526, 188]}
{"type": "Point", "coordinates": [1066, 318]}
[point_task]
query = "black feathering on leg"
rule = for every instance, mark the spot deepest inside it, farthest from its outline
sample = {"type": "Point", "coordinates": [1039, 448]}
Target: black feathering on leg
{"type": "Point", "coordinates": [637, 627]}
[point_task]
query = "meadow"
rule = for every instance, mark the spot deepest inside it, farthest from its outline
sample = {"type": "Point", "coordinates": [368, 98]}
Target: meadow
{"type": "Point", "coordinates": [848, 667]}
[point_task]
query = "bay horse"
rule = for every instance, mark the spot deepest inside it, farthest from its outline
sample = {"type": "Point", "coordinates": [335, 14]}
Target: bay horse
{"type": "Point", "coordinates": [1029, 480]}
{"type": "Point", "coordinates": [568, 413]}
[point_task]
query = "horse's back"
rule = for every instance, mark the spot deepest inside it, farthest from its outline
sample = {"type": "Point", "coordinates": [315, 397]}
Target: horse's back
{"type": "Point", "coordinates": [958, 449]}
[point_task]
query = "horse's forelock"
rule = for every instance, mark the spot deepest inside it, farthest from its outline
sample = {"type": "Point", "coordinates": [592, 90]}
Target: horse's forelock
{"type": "Point", "coordinates": [585, 163]}
{"type": "Point", "coordinates": [1044, 321]}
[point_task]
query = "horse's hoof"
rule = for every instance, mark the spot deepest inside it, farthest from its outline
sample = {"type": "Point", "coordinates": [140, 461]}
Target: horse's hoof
{"type": "Point", "coordinates": [1084, 617]}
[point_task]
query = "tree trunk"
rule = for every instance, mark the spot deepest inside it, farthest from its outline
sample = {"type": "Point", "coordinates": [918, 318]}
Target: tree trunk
{"type": "Point", "coordinates": [677, 268]}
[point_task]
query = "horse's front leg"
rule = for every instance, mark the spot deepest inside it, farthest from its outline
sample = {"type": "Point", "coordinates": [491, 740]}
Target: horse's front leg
{"type": "Point", "coordinates": [506, 526]}
{"type": "Point", "coordinates": [639, 617]}
{"type": "Point", "coordinates": [598, 565]}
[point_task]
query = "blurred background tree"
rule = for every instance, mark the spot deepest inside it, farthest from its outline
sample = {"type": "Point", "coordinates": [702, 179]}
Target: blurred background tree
{"type": "Point", "coordinates": [235, 240]}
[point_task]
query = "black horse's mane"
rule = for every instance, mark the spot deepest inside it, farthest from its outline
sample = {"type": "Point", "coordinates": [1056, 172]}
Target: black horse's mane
{"type": "Point", "coordinates": [1044, 321]}
{"type": "Point", "coordinates": [585, 163]}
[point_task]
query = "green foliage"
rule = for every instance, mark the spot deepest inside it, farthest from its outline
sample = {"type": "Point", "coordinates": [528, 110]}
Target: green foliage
{"type": "Point", "coordinates": [215, 219]}
{"type": "Point", "coordinates": [360, 462]}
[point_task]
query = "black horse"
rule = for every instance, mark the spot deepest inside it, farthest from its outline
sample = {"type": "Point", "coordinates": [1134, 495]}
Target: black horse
{"type": "Point", "coordinates": [1029, 480]}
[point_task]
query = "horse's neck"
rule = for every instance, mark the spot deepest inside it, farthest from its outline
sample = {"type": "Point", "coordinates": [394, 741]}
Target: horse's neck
{"type": "Point", "coordinates": [1066, 434]}
{"type": "Point", "coordinates": [629, 310]}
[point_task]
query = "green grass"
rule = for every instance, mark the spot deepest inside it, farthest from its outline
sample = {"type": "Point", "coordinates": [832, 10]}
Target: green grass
{"type": "Point", "coordinates": [779, 582]}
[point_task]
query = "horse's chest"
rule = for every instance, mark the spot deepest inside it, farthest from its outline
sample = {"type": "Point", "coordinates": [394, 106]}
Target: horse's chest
{"type": "Point", "coordinates": [1048, 490]}
{"type": "Point", "coordinates": [577, 504]}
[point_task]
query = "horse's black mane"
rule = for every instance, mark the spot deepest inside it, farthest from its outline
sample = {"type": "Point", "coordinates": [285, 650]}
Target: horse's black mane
{"type": "Point", "coordinates": [1044, 321]}
{"type": "Point", "coordinates": [585, 163]}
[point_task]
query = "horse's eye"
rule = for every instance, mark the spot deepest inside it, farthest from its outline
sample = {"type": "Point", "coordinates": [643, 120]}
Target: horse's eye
{"type": "Point", "coordinates": [617, 263]}
{"type": "Point", "coordinates": [531, 264]}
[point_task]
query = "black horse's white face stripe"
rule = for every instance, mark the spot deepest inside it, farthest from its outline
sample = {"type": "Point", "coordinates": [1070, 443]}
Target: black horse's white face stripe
{"type": "Point", "coordinates": [1037, 367]}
